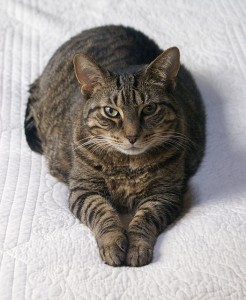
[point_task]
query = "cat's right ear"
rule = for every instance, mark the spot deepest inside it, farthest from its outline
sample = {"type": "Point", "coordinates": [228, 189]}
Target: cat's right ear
{"type": "Point", "coordinates": [90, 75]}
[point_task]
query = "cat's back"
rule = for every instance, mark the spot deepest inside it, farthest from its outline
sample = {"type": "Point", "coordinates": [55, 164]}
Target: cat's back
{"type": "Point", "coordinates": [111, 46]}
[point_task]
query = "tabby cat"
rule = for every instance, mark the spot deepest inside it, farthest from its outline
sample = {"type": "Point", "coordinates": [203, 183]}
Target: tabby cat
{"type": "Point", "coordinates": [122, 124]}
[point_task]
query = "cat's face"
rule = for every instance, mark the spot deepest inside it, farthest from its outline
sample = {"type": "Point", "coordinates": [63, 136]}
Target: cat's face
{"type": "Point", "coordinates": [130, 113]}
{"type": "Point", "coordinates": [130, 120]}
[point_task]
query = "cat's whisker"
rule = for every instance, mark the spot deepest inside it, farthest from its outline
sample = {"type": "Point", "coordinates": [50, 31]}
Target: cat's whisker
{"type": "Point", "coordinates": [83, 139]}
{"type": "Point", "coordinates": [181, 135]}
{"type": "Point", "coordinates": [98, 144]}
{"type": "Point", "coordinates": [90, 140]}
{"type": "Point", "coordinates": [82, 144]}
{"type": "Point", "coordinates": [175, 137]}
{"type": "Point", "coordinates": [178, 142]}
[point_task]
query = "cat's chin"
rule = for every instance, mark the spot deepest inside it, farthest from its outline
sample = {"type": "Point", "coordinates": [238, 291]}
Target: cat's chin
{"type": "Point", "coordinates": [132, 150]}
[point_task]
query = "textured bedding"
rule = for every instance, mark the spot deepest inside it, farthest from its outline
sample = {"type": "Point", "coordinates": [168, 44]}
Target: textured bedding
{"type": "Point", "coordinates": [45, 253]}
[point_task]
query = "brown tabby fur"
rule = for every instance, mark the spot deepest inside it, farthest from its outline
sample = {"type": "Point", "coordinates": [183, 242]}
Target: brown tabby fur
{"type": "Point", "coordinates": [94, 153]}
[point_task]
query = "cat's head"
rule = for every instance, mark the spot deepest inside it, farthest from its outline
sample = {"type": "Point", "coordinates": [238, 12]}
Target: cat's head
{"type": "Point", "coordinates": [129, 112]}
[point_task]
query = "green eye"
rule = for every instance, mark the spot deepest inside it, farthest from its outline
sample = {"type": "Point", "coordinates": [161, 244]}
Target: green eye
{"type": "Point", "coordinates": [109, 111]}
{"type": "Point", "coordinates": [149, 109]}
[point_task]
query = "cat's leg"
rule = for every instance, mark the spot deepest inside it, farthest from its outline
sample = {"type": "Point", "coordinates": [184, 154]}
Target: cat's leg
{"type": "Point", "coordinates": [95, 211]}
{"type": "Point", "coordinates": [150, 219]}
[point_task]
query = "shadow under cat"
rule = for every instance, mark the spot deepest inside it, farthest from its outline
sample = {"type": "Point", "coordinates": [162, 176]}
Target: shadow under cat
{"type": "Point", "coordinates": [222, 172]}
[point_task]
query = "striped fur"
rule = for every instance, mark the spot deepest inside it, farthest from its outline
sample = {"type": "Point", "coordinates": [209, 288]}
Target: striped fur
{"type": "Point", "coordinates": [138, 162]}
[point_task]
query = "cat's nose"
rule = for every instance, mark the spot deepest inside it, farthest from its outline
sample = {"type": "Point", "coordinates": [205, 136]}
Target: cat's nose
{"type": "Point", "coordinates": [132, 138]}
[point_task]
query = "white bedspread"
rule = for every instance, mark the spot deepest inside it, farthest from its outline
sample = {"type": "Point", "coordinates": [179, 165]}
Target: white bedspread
{"type": "Point", "coordinates": [45, 253]}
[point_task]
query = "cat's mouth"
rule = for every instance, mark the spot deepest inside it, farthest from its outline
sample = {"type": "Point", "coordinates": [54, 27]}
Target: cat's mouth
{"type": "Point", "coordinates": [132, 150]}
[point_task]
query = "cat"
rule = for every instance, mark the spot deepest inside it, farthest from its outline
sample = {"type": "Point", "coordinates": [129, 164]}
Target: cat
{"type": "Point", "coordinates": [122, 123]}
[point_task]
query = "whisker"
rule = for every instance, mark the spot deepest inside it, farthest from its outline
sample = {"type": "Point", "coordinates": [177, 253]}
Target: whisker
{"type": "Point", "coordinates": [170, 139]}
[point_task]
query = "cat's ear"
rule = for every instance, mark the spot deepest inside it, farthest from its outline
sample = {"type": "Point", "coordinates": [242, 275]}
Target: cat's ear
{"type": "Point", "coordinates": [164, 69]}
{"type": "Point", "coordinates": [89, 74]}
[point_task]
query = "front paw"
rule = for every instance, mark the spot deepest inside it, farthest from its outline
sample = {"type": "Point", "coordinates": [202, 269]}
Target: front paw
{"type": "Point", "coordinates": [113, 248]}
{"type": "Point", "coordinates": [140, 253]}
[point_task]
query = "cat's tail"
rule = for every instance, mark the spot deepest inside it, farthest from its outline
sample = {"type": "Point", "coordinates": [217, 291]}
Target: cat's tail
{"type": "Point", "coordinates": [31, 132]}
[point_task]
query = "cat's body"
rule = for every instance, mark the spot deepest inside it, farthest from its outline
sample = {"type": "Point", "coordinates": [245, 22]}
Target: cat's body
{"type": "Point", "coordinates": [109, 145]}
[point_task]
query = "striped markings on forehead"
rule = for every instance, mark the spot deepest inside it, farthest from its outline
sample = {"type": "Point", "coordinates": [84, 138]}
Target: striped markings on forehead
{"type": "Point", "coordinates": [127, 92]}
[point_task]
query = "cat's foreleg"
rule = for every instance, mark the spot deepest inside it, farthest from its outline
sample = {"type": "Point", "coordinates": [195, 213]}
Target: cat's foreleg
{"type": "Point", "coordinates": [94, 210]}
{"type": "Point", "coordinates": [152, 216]}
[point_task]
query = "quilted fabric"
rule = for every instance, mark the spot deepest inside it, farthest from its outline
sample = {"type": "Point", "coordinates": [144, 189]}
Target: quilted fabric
{"type": "Point", "coordinates": [45, 253]}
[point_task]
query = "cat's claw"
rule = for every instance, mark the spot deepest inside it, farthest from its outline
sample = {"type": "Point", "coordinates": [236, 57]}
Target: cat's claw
{"type": "Point", "coordinates": [113, 251]}
{"type": "Point", "coordinates": [139, 254]}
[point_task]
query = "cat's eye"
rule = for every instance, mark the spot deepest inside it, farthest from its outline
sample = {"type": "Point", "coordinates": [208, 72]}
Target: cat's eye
{"type": "Point", "coordinates": [109, 111]}
{"type": "Point", "coordinates": [149, 109]}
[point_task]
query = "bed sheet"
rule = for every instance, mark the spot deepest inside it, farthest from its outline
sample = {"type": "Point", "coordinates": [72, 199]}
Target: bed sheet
{"type": "Point", "coordinates": [45, 253]}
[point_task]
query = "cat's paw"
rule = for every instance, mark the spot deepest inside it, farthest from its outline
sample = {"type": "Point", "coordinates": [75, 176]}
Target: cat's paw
{"type": "Point", "coordinates": [140, 253]}
{"type": "Point", "coordinates": [113, 248]}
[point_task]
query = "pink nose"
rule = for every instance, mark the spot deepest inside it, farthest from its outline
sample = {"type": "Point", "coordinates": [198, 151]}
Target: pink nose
{"type": "Point", "coordinates": [132, 139]}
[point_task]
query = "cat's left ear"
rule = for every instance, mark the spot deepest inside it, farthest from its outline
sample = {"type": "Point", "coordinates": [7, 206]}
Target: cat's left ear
{"type": "Point", "coordinates": [164, 69]}
{"type": "Point", "coordinates": [89, 74]}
